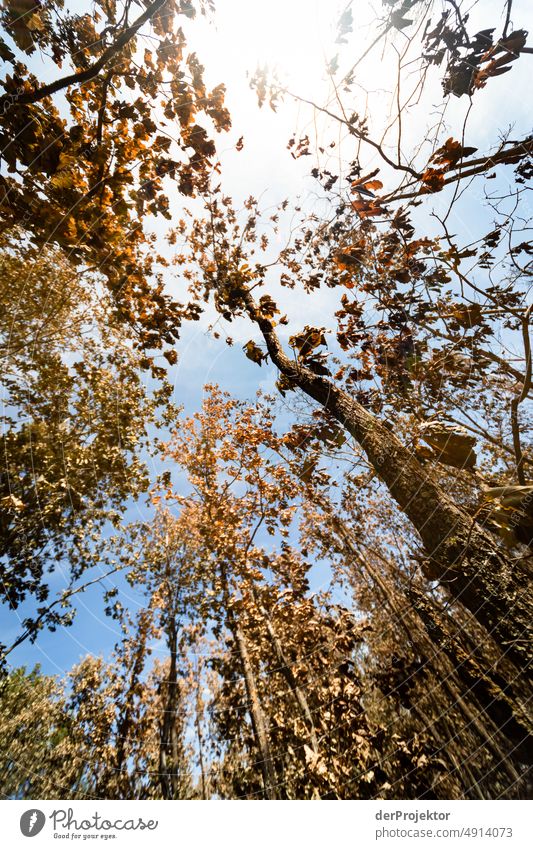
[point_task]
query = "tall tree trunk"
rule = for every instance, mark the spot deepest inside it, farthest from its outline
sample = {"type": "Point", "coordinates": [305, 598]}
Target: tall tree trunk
{"type": "Point", "coordinates": [287, 672]}
{"type": "Point", "coordinates": [258, 717]}
{"type": "Point", "coordinates": [494, 695]}
{"type": "Point", "coordinates": [127, 720]}
{"type": "Point", "coordinates": [490, 695]}
{"type": "Point", "coordinates": [169, 759]}
{"type": "Point", "coordinates": [259, 724]}
{"type": "Point", "coordinates": [199, 735]}
{"type": "Point", "coordinates": [299, 696]}
{"type": "Point", "coordinates": [461, 554]}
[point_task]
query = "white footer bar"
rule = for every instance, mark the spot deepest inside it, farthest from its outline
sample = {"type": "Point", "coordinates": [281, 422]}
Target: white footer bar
{"type": "Point", "coordinates": [276, 825]}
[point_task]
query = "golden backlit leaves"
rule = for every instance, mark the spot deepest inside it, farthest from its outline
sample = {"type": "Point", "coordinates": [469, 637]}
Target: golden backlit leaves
{"type": "Point", "coordinates": [510, 509]}
{"type": "Point", "coordinates": [364, 206]}
{"type": "Point", "coordinates": [468, 315]}
{"type": "Point", "coordinates": [89, 176]}
{"type": "Point", "coordinates": [27, 22]}
{"type": "Point", "coordinates": [415, 339]}
{"type": "Point", "coordinates": [451, 153]}
{"type": "Point", "coordinates": [305, 342]}
{"type": "Point", "coordinates": [256, 597]}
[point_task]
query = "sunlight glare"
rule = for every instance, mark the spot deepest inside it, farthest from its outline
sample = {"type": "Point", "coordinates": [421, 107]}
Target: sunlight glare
{"type": "Point", "coordinates": [291, 37]}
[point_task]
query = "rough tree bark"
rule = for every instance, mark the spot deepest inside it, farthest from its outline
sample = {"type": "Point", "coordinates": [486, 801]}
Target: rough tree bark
{"type": "Point", "coordinates": [461, 554]}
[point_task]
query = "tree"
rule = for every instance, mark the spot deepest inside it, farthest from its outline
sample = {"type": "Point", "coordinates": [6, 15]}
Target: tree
{"type": "Point", "coordinates": [93, 734]}
{"type": "Point", "coordinates": [432, 660]}
{"type": "Point", "coordinates": [75, 421]}
{"type": "Point", "coordinates": [437, 332]}
{"type": "Point", "coordinates": [402, 466]}
{"type": "Point", "coordinates": [40, 752]}
{"type": "Point", "coordinates": [273, 691]}
{"type": "Point", "coordinates": [290, 661]}
{"type": "Point", "coordinates": [89, 154]}
{"type": "Point", "coordinates": [118, 708]}
{"type": "Point", "coordinates": [167, 573]}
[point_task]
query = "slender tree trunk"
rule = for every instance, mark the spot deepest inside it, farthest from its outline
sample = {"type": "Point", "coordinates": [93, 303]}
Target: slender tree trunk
{"type": "Point", "coordinates": [127, 720]}
{"type": "Point", "coordinates": [285, 669]}
{"type": "Point", "coordinates": [199, 735]}
{"type": "Point", "coordinates": [461, 766]}
{"type": "Point", "coordinates": [169, 759]}
{"type": "Point", "coordinates": [506, 716]}
{"type": "Point", "coordinates": [287, 672]}
{"type": "Point", "coordinates": [448, 750]}
{"type": "Point", "coordinates": [494, 696]}
{"type": "Point", "coordinates": [257, 715]}
{"type": "Point", "coordinates": [462, 556]}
